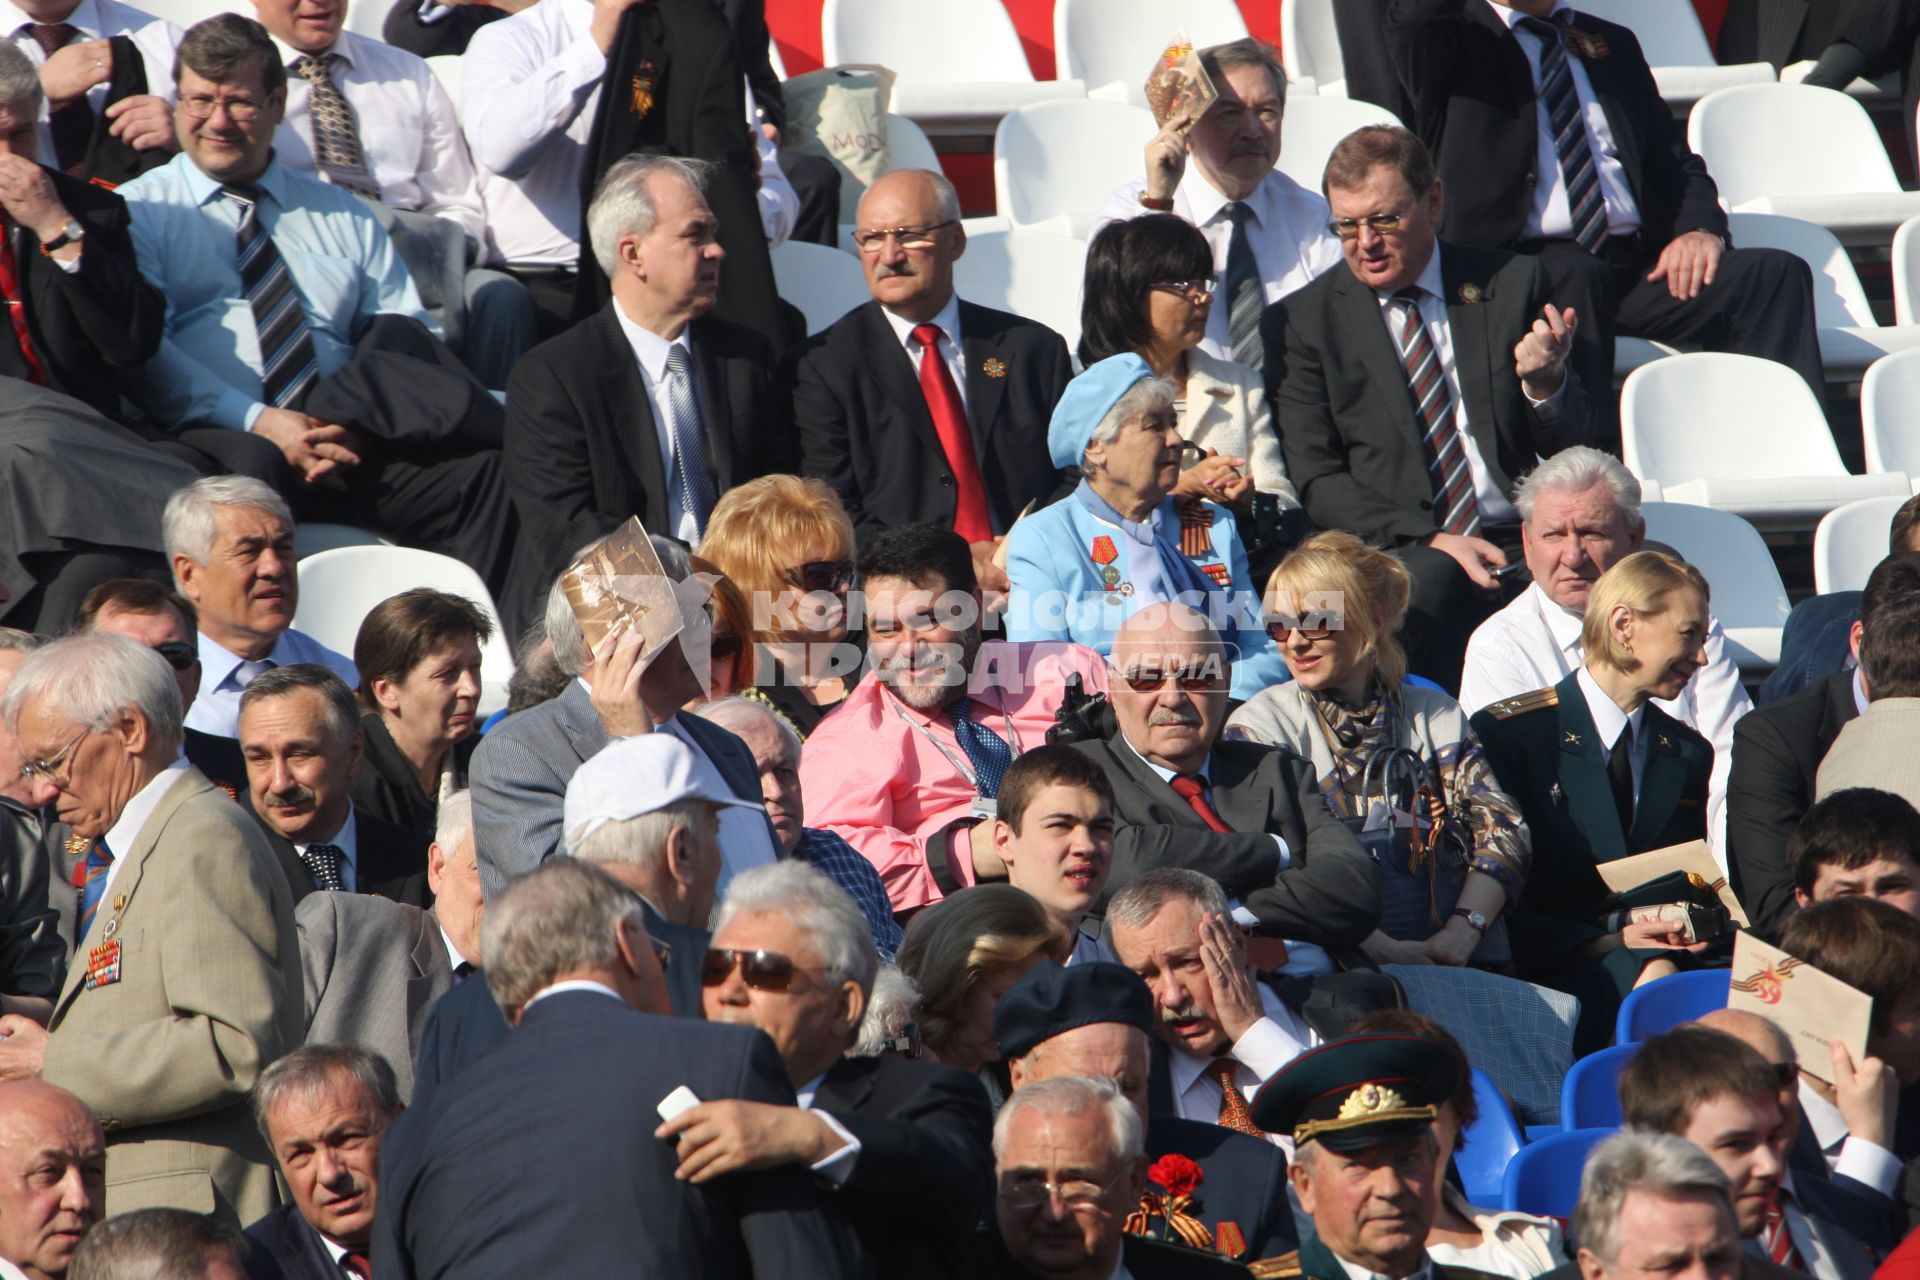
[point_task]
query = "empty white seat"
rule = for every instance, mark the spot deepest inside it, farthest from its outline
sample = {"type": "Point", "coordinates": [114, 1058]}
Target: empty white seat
{"type": "Point", "coordinates": [1059, 160]}
{"type": "Point", "coordinates": [1676, 47]}
{"type": "Point", "coordinates": [1036, 274]}
{"type": "Point", "coordinates": [1890, 414]}
{"type": "Point", "coordinates": [1850, 541]}
{"type": "Point", "coordinates": [1740, 434]}
{"type": "Point", "coordinates": [339, 588]}
{"type": "Point", "coordinates": [1749, 600]}
{"type": "Point", "coordinates": [446, 68]}
{"type": "Point", "coordinates": [908, 146]}
{"type": "Point", "coordinates": [1310, 44]}
{"type": "Point", "coordinates": [824, 283]}
{"type": "Point", "coordinates": [313, 536]}
{"type": "Point", "coordinates": [959, 62]}
{"type": "Point", "coordinates": [1107, 42]}
{"type": "Point", "coordinates": [1314, 126]}
{"type": "Point", "coordinates": [1806, 153]}
{"type": "Point", "coordinates": [1906, 272]}
{"type": "Point", "coordinates": [1850, 337]}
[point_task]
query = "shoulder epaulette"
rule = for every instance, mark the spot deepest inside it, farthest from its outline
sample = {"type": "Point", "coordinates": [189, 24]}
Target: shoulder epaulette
{"type": "Point", "coordinates": [1285, 1267]}
{"type": "Point", "coordinates": [1508, 708]}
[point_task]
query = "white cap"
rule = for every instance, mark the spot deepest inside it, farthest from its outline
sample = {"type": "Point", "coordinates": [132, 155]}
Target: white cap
{"type": "Point", "coordinates": [633, 776]}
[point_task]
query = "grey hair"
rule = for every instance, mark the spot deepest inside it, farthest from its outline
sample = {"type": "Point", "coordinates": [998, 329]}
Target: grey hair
{"type": "Point", "coordinates": [342, 708]}
{"type": "Point", "coordinates": [154, 1244]}
{"type": "Point", "coordinates": [734, 713]}
{"type": "Point", "coordinates": [639, 841]}
{"type": "Point", "coordinates": [570, 652]}
{"type": "Point", "coordinates": [1658, 1164]}
{"type": "Point", "coordinates": [1144, 898]}
{"type": "Point", "coordinates": [12, 639]}
{"type": "Point", "coordinates": [816, 906]}
{"type": "Point", "coordinates": [622, 207]}
{"type": "Point", "coordinates": [946, 206]}
{"type": "Point", "coordinates": [1577, 470]}
{"type": "Point", "coordinates": [1248, 52]}
{"type": "Point", "coordinates": [453, 825]}
{"type": "Point", "coordinates": [314, 1070]}
{"type": "Point", "coordinates": [187, 526]}
{"type": "Point", "coordinates": [564, 916]}
{"type": "Point", "coordinates": [1071, 1096]}
{"type": "Point", "coordinates": [19, 82]}
{"type": "Point", "coordinates": [1149, 395]}
{"type": "Point", "coordinates": [890, 1012]}
{"type": "Point", "coordinates": [89, 679]}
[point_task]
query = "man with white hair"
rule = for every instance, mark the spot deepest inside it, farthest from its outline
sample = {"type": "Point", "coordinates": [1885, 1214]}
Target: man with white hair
{"type": "Point", "coordinates": [229, 540]}
{"type": "Point", "coordinates": [179, 991]}
{"type": "Point", "coordinates": [1579, 515]}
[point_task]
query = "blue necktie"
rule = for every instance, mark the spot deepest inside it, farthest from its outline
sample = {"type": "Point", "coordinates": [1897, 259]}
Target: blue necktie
{"type": "Point", "coordinates": [94, 886]}
{"type": "Point", "coordinates": [986, 750]}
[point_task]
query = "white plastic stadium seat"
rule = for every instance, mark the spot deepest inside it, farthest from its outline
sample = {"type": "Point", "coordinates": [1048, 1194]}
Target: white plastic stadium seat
{"type": "Point", "coordinates": [959, 63]}
{"type": "Point", "coordinates": [1890, 414]}
{"type": "Point", "coordinates": [446, 67]}
{"type": "Point", "coordinates": [1310, 45]}
{"type": "Point", "coordinates": [1105, 43]}
{"type": "Point", "coordinates": [1739, 434]}
{"type": "Point", "coordinates": [1057, 160]}
{"type": "Point", "coordinates": [339, 588]}
{"type": "Point", "coordinates": [1312, 127]}
{"type": "Point", "coordinates": [313, 536]}
{"type": "Point", "coordinates": [368, 18]}
{"type": "Point", "coordinates": [1850, 541]}
{"type": "Point", "coordinates": [1035, 274]}
{"type": "Point", "coordinates": [774, 59]}
{"type": "Point", "coordinates": [1630, 353]}
{"type": "Point", "coordinates": [824, 283]}
{"type": "Point", "coordinates": [1807, 153]}
{"type": "Point", "coordinates": [1906, 272]}
{"type": "Point", "coordinates": [908, 146]}
{"type": "Point", "coordinates": [1676, 47]}
{"type": "Point", "coordinates": [1850, 337]}
{"type": "Point", "coordinates": [1749, 600]}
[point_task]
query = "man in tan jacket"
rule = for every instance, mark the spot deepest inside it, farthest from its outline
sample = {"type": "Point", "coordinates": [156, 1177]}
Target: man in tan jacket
{"type": "Point", "coordinates": [1875, 749]}
{"type": "Point", "coordinates": [185, 977]}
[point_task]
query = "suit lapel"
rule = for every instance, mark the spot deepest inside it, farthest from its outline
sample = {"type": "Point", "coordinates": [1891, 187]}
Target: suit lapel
{"type": "Point", "coordinates": [1472, 353]}
{"type": "Point", "coordinates": [1239, 797]}
{"type": "Point", "coordinates": [894, 369]}
{"type": "Point", "coordinates": [625, 391]}
{"type": "Point", "coordinates": [1366, 339]}
{"type": "Point", "coordinates": [1662, 778]}
{"type": "Point", "coordinates": [579, 721]}
{"type": "Point", "coordinates": [299, 875]}
{"type": "Point", "coordinates": [1513, 64]}
{"type": "Point", "coordinates": [1583, 776]}
{"type": "Point", "coordinates": [847, 1086]}
{"type": "Point", "coordinates": [1157, 791]}
{"type": "Point", "coordinates": [986, 396]}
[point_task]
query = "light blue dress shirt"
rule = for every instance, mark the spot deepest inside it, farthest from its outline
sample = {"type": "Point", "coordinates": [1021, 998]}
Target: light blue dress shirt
{"type": "Point", "coordinates": [187, 237]}
{"type": "Point", "coordinates": [216, 708]}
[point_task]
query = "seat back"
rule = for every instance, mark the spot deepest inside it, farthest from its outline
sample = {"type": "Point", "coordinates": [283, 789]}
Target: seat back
{"type": "Point", "coordinates": [1667, 1002]}
{"type": "Point", "coordinates": [1839, 299]}
{"type": "Point", "coordinates": [1851, 540]}
{"type": "Point", "coordinates": [1035, 274]}
{"type": "Point", "coordinates": [1710, 414]}
{"type": "Point", "coordinates": [1101, 41]}
{"type": "Point", "coordinates": [368, 18]}
{"type": "Point", "coordinates": [1055, 158]}
{"type": "Point", "coordinates": [1890, 413]}
{"type": "Point", "coordinates": [1669, 34]}
{"type": "Point", "coordinates": [1309, 42]}
{"type": "Point", "coordinates": [824, 283]}
{"type": "Point", "coordinates": [1544, 1177]}
{"type": "Point", "coordinates": [1730, 554]}
{"type": "Point", "coordinates": [1590, 1095]}
{"type": "Point", "coordinates": [1788, 139]}
{"type": "Point", "coordinates": [1906, 272]}
{"type": "Point", "coordinates": [908, 146]}
{"type": "Point", "coordinates": [1314, 126]}
{"type": "Point", "coordinates": [1487, 1146]}
{"type": "Point", "coordinates": [313, 536]}
{"type": "Point", "coordinates": [954, 42]}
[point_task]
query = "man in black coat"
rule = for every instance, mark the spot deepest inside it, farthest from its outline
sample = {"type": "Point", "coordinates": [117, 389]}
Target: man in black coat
{"type": "Point", "coordinates": [866, 421]}
{"type": "Point", "coordinates": [1649, 253]}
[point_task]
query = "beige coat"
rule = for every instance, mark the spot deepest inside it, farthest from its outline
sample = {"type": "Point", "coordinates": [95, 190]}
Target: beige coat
{"type": "Point", "coordinates": [208, 994]}
{"type": "Point", "coordinates": [1875, 750]}
{"type": "Point", "coordinates": [1226, 410]}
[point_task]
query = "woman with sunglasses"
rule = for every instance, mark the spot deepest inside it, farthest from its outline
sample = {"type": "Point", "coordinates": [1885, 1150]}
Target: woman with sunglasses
{"type": "Point", "coordinates": [787, 544]}
{"type": "Point", "coordinates": [419, 660]}
{"type": "Point", "coordinates": [1121, 540]}
{"type": "Point", "coordinates": [1335, 606]}
{"type": "Point", "coordinates": [963, 953]}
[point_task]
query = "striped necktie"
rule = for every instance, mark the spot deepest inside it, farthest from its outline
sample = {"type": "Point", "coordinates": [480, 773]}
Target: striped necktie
{"type": "Point", "coordinates": [1779, 1241]}
{"type": "Point", "coordinates": [91, 878]}
{"type": "Point", "coordinates": [1586, 203]}
{"type": "Point", "coordinates": [691, 475]}
{"type": "Point", "coordinates": [1245, 297]}
{"type": "Point", "coordinates": [288, 367]}
{"type": "Point", "coordinates": [1454, 504]}
{"type": "Point", "coordinates": [336, 139]}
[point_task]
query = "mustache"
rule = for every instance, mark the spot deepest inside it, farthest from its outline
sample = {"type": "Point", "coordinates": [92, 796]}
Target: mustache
{"type": "Point", "coordinates": [297, 794]}
{"type": "Point", "coordinates": [887, 271]}
{"type": "Point", "coordinates": [1187, 715]}
{"type": "Point", "coordinates": [1188, 1010]}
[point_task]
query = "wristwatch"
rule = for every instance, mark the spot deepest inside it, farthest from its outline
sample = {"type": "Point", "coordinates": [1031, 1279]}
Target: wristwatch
{"type": "Point", "coordinates": [1474, 918]}
{"type": "Point", "coordinates": [69, 234]}
{"type": "Point", "coordinates": [1159, 204]}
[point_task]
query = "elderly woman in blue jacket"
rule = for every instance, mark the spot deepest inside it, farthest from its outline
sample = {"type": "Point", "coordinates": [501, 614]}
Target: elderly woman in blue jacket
{"type": "Point", "coordinates": [1079, 568]}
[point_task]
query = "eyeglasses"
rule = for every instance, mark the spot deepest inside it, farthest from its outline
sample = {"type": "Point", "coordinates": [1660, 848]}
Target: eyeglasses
{"type": "Point", "coordinates": [761, 970]}
{"type": "Point", "coordinates": [1029, 1193]}
{"type": "Point", "coordinates": [1381, 223]}
{"type": "Point", "coordinates": [54, 769]}
{"type": "Point", "coordinates": [180, 655]}
{"type": "Point", "coordinates": [821, 575]}
{"type": "Point", "coordinates": [909, 237]}
{"type": "Point", "coordinates": [1186, 288]}
{"type": "Point", "coordinates": [200, 107]}
{"type": "Point", "coordinates": [1202, 679]}
{"type": "Point", "coordinates": [1281, 628]}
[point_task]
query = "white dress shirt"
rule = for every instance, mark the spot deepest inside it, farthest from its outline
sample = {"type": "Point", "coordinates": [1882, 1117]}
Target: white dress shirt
{"type": "Point", "coordinates": [1267, 1046]}
{"type": "Point", "coordinates": [1551, 217]}
{"type": "Point", "coordinates": [779, 202]}
{"type": "Point", "coordinates": [837, 1167]}
{"type": "Point", "coordinates": [572, 984]}
{"type": "Point", "coordinates": [155, 38]}
{"type": "Point", "coordinates": [1865, 1162]}
{"type": "Point", "coordinates": [10, 1272]}
{"type": "Point", "coordinates": [408, 130]}
{"type": "Point", "coordinates": [1287, 232]}
{"type": "Point", "coordinates": [347, 841]}
{"type": "Point", "coordinates": [454, 958]}
{"type": "Point", "coordinates": [1609, 721]}
{"type": "Point", "coordinates": [1357, 1272]}
{"type": "Point", "coordinates": [216, 709]}
{"type": "Point", "coordinates": [950, 349]}
{"type": "Point", "coordinates": [126, 828]}
{"type": "Point", "coordinates": [1534, 643]}
{"type": "Point", "coordinates": [650, 351]}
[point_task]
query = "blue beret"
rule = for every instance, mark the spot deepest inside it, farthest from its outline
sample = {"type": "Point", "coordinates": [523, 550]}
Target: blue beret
{"type": "Point", "coordinates": [1086, 401]}
{"type": "Point", "coordinates": [1053, 998]}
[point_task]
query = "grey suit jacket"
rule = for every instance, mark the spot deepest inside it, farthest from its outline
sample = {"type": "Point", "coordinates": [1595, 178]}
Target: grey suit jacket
{"type": "Point", "coordinates": [1875, 750]}
{"type": "Point", "coordinates": [521, 770]}
{"type": "Point", "coordinates": [372, 969]}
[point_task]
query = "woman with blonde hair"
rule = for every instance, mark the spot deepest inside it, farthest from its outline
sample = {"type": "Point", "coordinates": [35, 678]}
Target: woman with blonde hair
{"type": "Point", "coordinates": [787, 544]}
{"type": "Point", "coordinates": [964, 952]}
{"type": "Point", "coordinates": [1602, 773]}
{"type": "Point", "coordinates": [1334, 607]}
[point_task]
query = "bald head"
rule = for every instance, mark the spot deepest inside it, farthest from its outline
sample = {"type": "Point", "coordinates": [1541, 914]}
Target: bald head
{"type": "Point", "coordinates": [1170, 677]}
{"type": "Point", "coordinates": [910, 274]}
{"type": "Point", "coordinates": [52, 1176]}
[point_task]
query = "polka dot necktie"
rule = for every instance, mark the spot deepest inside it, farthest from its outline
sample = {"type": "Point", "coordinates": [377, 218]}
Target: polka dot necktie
{"type": "Point", "coordinates": [986, 750]}
{"type": "Point", "coordinates": [336, 141]}
{"type": "Point", "coordinates": [1234, 1114]}
{"type": "Point", "coordinates": [324, 861]}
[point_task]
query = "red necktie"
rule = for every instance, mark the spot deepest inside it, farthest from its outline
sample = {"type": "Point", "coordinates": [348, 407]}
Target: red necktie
{"type": "Point", "coordinates": [970, 518]}
{"type": "Point", "coordinates": [1189, 788]}
{"type": "Point", "coordinates": [355, 1263]}
{"type": "Point", "coordinates": [1233, 1104]}
{"type": "Point", "coordinates": [1779, 1240]}
{"type": "Point", "coordinates": [17, 312]}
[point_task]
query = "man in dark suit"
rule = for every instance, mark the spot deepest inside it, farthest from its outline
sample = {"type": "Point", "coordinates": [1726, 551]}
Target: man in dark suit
{"type": "Point", "coordinates": [650, 406]}
{"type": "Point", "coordinates": [1417, 385]}
{"type": "Point", "coordinates": [1249, 816]}
{"type": "Point", "coordinates": [1097, 1019]}
{"type": "Point", "coordinates": [323, 1109]}
{"type": "Point", "coordinates": [81, 311]}
{"type": "Point", "coordinates": [904, 1143]}
{"type": "Point", "coordinates": [1777, 752]}
{"type": "Point", "coordinates": [961, 441]}
{"type": "Point", "coordinates": [301, 737]}
{"type": "Point", "coordinates": [576, 1086]}
{"type": "Point", "coordinates": [1634, 240]}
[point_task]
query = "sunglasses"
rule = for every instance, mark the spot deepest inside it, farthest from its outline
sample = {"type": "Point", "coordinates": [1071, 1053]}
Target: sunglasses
{"type": "Point", "coordinates": [180, 655]}
{"type": "Point", "coordinates": [822, 575]}
{"type": "Point", "coordinates": [1281, 628]}
{"type": "Point", "coordinates": [1197, 680]}
{"type": "Point", "coordinates": [761, 970]}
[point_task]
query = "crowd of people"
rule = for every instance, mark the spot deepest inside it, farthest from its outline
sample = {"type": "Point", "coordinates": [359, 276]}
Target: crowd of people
{"type": "Point", "coordinates": [1100, 814]}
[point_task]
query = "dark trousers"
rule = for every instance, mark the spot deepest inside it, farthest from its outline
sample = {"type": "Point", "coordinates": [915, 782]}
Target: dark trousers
{"type": "Point", "coordinates": [1445, 606]}
{"type": "Point", "coordinates": [553, 293]}
{"type": "Point", "coordinates": [62, 580]}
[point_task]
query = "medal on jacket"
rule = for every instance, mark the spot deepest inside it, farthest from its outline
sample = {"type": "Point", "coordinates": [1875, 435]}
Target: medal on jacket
{"type": "Point", "coordinates": [103, 961]}
{"type": "Point", "coordinates": [1104, 554]}
{"type": "Point", "coordinates": [1196, 540]}
{"type": "Point", "coordinates": [1587, 45]}
{"type": "Point", "coordinates": [642, 101]}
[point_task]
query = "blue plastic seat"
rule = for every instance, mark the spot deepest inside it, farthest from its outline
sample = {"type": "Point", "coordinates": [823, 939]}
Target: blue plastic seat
{"type": "Point", "coordinates": [1486, 1148]}
{"type": "Point", "coordinates": [1590, 1095]}
{"type": "Point", "coordinates": [1668, 1002]}
{"type": "Point", "coordinates": [1544, 1178]}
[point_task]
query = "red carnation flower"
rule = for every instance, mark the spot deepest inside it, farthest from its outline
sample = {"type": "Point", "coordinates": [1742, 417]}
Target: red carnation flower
{"type": "Point", "coordinates": [1177, 1173]}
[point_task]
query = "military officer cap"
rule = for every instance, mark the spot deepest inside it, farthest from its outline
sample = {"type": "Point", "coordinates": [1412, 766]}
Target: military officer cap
{"type": "Point", "coordinates": [1052, 999]}
{"type": "Point", "coordinates": [1358, 1092]}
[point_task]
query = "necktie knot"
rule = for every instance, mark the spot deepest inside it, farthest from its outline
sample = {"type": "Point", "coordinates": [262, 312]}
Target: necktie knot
{"type": "Point", "coordinates": [52, 36]}
{"type": "Point", "coordinates": [245, 192]}
{"type": "Point", "coordinates": [314, 66]}
{"type": "Point", "coordinates": [354, 1262]}
{"type": "Point", "coordinates": [1238, 213]}
{"type": "Point", "coordinates": [677, 359]}
{"type": "Point", "coordinates": [1548, 29]}
{"type": "Point", "coordinates": [1189, 785]}
{"type": "Point", "coordinates": [324, 861]}
{"type": "Point", "coordinates": [1234, 1112]}
{"type": "Point", "coordinates": [928, 336]}
{"type": "Point", "coordinates": [1410, 296]}
{"type": "Point", "coordinates": [986, 750]}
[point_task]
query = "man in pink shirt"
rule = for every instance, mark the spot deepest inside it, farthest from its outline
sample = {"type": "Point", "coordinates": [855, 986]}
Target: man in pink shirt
{"type": "Point", "coordinates": [911, 762]}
